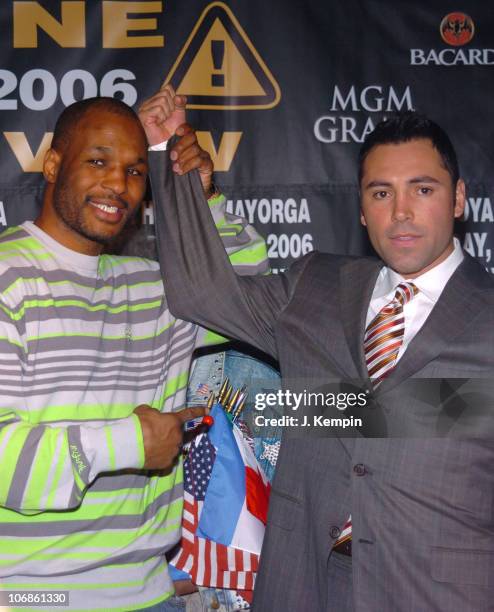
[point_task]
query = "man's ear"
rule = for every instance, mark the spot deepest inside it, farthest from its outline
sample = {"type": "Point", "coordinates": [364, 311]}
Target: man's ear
{"type": "Point", "coordinates": [460, 197]}
{"type": "Point", "coordinates": [362, 218]}
{"type": "Point", "coordinates": [51, 165]}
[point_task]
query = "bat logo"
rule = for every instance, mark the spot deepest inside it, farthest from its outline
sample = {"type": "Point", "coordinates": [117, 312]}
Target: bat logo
{"type": "Point", "coordinates": [457, 29]}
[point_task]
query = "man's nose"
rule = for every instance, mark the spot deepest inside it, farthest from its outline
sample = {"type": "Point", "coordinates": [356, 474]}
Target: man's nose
{"type": "Point", "coordinates": [402, 207]}
{"type": "Point", "coordinates": [115, 180]}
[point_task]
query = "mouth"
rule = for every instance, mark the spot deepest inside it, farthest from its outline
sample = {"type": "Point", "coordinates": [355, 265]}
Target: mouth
{"type": "Point", "coordinates": [404, 239]}
{"type": "Point", "coordinates": [107, 210]}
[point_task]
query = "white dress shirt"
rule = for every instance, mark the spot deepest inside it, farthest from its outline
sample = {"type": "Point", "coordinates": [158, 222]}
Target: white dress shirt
{"type": "Point", "coordinates": [161, 146]}
{"type": "Point", "coordinates": [416, 311]}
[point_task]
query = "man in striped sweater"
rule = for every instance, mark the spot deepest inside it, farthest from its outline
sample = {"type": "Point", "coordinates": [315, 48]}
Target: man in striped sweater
{"type": "Point", "coordinates": [93, 371]}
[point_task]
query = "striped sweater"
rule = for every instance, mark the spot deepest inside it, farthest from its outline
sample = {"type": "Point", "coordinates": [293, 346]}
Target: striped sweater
{"type": "Point", "coordinates": [83, 341]}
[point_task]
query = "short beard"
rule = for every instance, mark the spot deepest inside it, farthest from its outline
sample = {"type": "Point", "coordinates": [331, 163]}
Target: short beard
{"type": "Point", "coordinates": [71, 215]}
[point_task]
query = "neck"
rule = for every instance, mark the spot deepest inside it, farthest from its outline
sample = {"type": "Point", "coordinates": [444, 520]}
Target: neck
{"type": "Point", "coordinates": [51, 223]}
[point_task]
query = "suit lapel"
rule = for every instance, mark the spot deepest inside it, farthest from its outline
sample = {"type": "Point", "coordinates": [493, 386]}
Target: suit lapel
{"type": "Point", "coordinates": [448, 319]}
{"type": "Point", "coordinates": [357, 281]}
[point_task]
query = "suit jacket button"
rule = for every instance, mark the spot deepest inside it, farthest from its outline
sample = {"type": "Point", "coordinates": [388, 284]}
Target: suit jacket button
{"type": "Point", "coordinates": [334, 532]}
{"type": "Point", "coordinates": [359, 469]}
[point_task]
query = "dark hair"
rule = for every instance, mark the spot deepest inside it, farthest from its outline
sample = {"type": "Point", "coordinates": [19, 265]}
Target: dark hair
{"type": "Point", "coordinates": [69, 119]}
{"type": "Point", "coordinates": [410, 125]}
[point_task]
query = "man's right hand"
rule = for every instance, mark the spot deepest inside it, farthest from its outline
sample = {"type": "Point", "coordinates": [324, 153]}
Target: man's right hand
{"type": "Point", "coordinates": [161, 114]}
{"type": "Point", "coordinates": [163, 434]}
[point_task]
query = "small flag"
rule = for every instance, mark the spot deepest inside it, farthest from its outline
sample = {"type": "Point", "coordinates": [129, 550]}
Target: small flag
{"type": "Point", "coordinates": [270, 452]}
{"type": "Point", "coordinates": [208, 563]}
{"type": "Point", "coordinates": [238, 491]}
{"type": "Point", "coordinates": [203, 389]}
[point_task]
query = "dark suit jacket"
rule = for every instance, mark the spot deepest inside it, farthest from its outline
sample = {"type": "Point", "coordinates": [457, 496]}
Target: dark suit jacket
{"type": "Point", "coordinates": [422, 507]}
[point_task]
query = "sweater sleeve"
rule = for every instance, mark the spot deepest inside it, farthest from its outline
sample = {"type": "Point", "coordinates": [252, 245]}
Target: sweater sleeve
{"type": "Point", "coordinates": [46, 467]}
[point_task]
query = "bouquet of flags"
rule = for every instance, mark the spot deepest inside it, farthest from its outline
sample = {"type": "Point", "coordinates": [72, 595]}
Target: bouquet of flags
{"type": "Point", "coordinates": [226, 496]}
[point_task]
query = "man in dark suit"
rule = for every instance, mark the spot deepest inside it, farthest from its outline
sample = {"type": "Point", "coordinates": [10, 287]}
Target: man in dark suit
{"type": "Point", "coordinates": [368, 522]}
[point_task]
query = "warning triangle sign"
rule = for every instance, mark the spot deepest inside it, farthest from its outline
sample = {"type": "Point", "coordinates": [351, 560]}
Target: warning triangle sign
{"type": "Point", "coordinates": [219, 68]}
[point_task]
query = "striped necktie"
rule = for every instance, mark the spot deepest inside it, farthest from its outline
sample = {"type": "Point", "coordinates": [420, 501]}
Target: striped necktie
{"type": "Point", "coordinates": [382, 341]}
{"type": "Point", "coordinates": [384, 334]}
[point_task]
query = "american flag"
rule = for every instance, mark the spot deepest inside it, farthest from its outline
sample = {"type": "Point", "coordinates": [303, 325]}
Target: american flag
{"type": "Point", "coordinates": [208, 563]}
{"type": "Point", "coordinates": [203, 389]}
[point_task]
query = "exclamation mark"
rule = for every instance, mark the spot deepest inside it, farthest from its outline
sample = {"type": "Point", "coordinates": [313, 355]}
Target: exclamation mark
{"type": "Point", "coordinates": [218, 53]}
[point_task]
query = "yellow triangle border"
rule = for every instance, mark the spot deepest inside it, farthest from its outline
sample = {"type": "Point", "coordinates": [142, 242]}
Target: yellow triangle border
{"type": "Point", "coordinates": [257, 57]}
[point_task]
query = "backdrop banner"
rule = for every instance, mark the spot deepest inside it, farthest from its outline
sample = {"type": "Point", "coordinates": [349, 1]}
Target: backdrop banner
{"type": "Point", "coordinates": [281, 93]}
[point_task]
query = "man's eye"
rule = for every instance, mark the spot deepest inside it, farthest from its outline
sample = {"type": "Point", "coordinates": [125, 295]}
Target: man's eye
{"type": "Point", "coordinates": [379, 195]}
{"type": "Point", "coordinates": [97, 162]}
{"type": "Point", "coordinates": [134, 172]}
{"type": "Point", "coordinates": [425, 190]}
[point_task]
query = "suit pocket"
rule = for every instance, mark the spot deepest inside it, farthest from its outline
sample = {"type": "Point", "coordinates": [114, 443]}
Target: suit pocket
{"type": "Point", "coordinates": [284, 509]}
{"type": "Point", "coordinates": [463, 566]}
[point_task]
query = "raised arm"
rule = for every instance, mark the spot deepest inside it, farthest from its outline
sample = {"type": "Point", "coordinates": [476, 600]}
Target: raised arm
{"type": "Point", "coordinates": [200, 283]}
{"type": "Point", "coordinates": [162, 116]}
